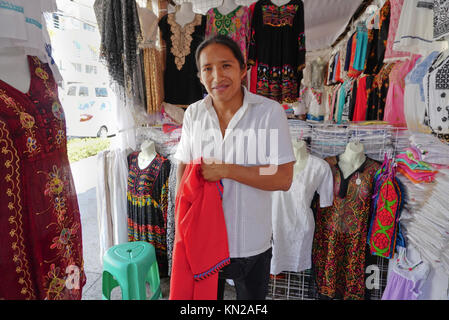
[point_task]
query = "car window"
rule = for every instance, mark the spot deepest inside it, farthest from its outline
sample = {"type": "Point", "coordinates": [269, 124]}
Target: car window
{"type": "Point", "coordinates": [101, 92]}
{"type": "Point", "coordinates": [71, 91]}
{"type": "Point", "coordinates": [84, 92]}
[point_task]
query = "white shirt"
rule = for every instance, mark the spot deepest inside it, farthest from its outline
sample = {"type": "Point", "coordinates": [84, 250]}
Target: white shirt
{"type": "Point", "coordinates": [258, 134]}
{"type": "Point", "coordinates": [293, 221]}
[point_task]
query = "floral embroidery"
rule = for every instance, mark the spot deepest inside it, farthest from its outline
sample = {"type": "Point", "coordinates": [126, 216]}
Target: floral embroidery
{"type": "Point", "coordinates": [55, 283]}
{"type": "Point", "coordinates": [182, 38]}
{"type": "Point", "coordinates": [51, 93]}
{"type": "Point", "coordinates": [41, 73]}
{"type": "Point", "coordinates": [279, 16]}
{"type": "Point", "coordinates": [26, 120]}
{"type": "Point", "coordinates": [13, 192]}
{"type": "Point", "coordinates": [278, 83]}
{"type": "Point", "coordinates": [57, 110]}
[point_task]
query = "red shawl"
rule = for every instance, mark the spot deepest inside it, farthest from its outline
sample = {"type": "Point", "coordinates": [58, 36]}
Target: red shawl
{"type": "Point", "coordinates": [201, 240]}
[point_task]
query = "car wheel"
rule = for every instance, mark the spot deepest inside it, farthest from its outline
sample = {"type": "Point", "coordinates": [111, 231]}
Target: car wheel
{"type": "Point", "coordinates": [103, 132]}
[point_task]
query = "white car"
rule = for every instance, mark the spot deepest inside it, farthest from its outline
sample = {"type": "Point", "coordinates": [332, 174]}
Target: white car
{"type": "Point", "coordinates": [90, 110]}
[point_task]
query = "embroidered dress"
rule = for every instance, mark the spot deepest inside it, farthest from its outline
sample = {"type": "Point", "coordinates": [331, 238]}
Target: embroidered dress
{"type": "Point", "coordinates": [235, 25]}
{"type": "Point", "coordinates": [181, 83]}
{"type": "Point", "coordinates": [147, 205]}
{"type": "Point", "coordinates": [440, 19]}
{"type": "Point", "coordinates": [395, 14]}
{"type": "Point", "coordinates": [341, 231]}
{"type": "Point", "coordinates": [415, 30]}
{"type": "Point", "coordinates": [278, 45]}
{"type": "Point", "coordinates": [436, 86]}
{"type": "Point", "coordinates": [41, 256]}
{"type": "Point", "coordinates": [377, 94]}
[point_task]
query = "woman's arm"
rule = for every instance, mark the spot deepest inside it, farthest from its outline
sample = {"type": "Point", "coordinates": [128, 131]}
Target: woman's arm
{"type": "Point", "coordinates": [268, 178]}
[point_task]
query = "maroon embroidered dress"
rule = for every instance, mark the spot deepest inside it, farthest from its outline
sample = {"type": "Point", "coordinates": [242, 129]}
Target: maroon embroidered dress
{"type": "Point", "coordinates": [147, 205]}
{"type": "Point", "coordinates": [278, 45]}
{"type": "Point", "coordinates": [339, 243]}
{"type": "Point", "coordinates": [41, 254]}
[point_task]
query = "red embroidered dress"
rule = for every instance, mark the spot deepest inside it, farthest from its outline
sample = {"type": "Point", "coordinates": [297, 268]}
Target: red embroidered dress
{"type": "Point", "coordinates": [41, 255]}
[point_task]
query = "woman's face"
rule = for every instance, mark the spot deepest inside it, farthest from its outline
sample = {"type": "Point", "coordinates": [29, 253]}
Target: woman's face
{"type": "Point", "coordinates": [220, 73]}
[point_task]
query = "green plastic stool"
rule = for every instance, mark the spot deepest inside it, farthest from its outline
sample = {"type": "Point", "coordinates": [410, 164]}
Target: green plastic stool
{"type": "Point", "coordinates": [130, 265]}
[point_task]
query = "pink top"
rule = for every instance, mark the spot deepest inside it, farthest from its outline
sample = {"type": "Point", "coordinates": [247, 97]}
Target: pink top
{"type": "Point", "coordinates": [394, 106]}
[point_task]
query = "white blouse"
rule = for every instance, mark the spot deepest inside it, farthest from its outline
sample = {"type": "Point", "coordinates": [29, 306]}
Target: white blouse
{"type": "Point", "coordinates": [415, 29]}
{"type": "Point", "coordinates": [293, 221]}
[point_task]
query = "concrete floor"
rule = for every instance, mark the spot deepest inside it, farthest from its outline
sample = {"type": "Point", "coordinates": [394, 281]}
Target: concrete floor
{"type": "Point", "coordinates": [84, 174]}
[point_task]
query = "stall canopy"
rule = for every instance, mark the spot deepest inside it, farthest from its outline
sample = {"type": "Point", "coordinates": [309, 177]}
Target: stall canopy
{"type": "Point", "coordinates": [325, 20]}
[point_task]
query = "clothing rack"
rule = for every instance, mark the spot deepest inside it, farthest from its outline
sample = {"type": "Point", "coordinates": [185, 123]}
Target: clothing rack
{"type": "Point", "coordinates": [301, 285]}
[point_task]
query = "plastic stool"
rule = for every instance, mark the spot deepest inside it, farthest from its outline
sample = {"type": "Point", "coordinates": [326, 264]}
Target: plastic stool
{"type": "Point", "coordinates": [131, 265]}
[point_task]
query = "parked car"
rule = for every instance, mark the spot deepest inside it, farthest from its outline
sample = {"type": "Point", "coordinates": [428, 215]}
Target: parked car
{"type": "Point", "coordinates": [90, 110]}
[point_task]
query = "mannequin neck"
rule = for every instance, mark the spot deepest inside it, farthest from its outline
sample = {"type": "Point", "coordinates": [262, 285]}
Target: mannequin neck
{"type": "Point", "coordinates": [352, 158]}
{"type": "Point", "coordinates": [227, 7]}
{"type": "Point", "coordinates": [147, 154]}
{"type": "Point", "coordinates": [185, 14]}
{"type": "Point", "coordinates": [280, 2]}
{"type": "Point", "coordinates": [14, 69]}
{"type": "Point", "coordinates": [301, 152]}
{"type": "Point", "coordinates": [301, 155]}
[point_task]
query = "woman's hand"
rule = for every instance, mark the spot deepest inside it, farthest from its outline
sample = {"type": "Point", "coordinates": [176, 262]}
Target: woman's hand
{"type": "Point", "coordinates": [213, 170]}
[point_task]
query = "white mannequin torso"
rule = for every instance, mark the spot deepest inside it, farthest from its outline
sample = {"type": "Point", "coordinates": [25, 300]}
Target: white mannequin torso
{"type": "Point", "coordinates": [185, 14]}
{"type": "Point", "coordinates": [352, 158]}
{"type": "Point", "coordinates": [227, 7]}
{"type": "Point", "coordinates": [280, 2]}
{"type": "Point", "coordinates": [147, 154]}
{"type": "Point", "coordinates": [301, 155]}
{"type": "Point", "coordinates": [14, 69]}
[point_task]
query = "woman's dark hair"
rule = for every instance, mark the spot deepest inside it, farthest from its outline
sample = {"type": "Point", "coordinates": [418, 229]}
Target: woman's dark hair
{"type": "Point", "coordinates": [225, 41]}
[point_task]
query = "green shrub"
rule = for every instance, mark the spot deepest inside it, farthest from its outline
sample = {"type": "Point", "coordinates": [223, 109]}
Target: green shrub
{"type": "Point", "coordinates": [79, 149]}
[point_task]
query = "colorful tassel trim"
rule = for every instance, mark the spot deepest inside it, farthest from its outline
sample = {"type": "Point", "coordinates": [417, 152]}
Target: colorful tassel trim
{"type": "Point", "coordinates": [212, 270]}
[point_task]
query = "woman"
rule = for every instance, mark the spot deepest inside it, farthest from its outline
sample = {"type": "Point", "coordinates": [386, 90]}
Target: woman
{"type": "Point", "coordinates": [244, 141]}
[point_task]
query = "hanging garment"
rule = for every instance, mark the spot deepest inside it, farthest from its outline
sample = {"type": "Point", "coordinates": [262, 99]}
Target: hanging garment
{"type": "Point", "coordinates": [440, 19]}
{"type": "Point", "coordinates": [340, 233]}
{"type": "Point", "coordinates": [436, 93]}
{"type": "Point", "coordinates": [120, 34]}
{"type": "Point", "coordinates": [384, 26]}
{"type": "Point", "coordinates": [352, 72]}
{"type": "Point", "coordinates": [181, 83]}
{"type": "Point", "coordinates": [406, 278]}
{"type": "Point", "coordinates": [361, 100]}
{"type": "Point", "coordinates": [377, 94]}
{"type": "Point", "coordinates": [147, 205]}
{"type": "Point", "coordinates": [41, 255]}
{"type": "Point", "coordinates": [371, 63]}
{"type": "Point", "coordinates": [112, 178]}
{"type": "Point", "coordinates": [394, 104]}
{"type": "Point", "coordinates": [201, 242]}
{"type": "Point", "coordinates": [414, 98]}
{"type": "Point", "coordinates": [362, 45]}
{"type": "Point", "coordinates": [395, 13]}
{"type": "Point", "coordinates": [293, 221]}
{"type": "Point", "coordinates": [235, 25]}
{"type": "Point", "coordinates": [278, 44]}
{"type": "Point", "coordinates": [388, 200]}
{"type": "Point", "coordinates": [415, 29]}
